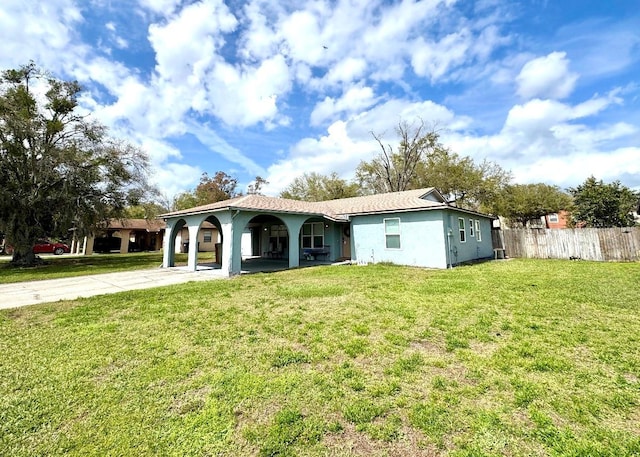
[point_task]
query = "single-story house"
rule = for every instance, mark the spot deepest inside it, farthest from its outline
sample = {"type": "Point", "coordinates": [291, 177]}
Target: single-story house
{"type": "Point", "coordinates": [415, 227]}
{"type": "Point", "coordinates": [145, 234]}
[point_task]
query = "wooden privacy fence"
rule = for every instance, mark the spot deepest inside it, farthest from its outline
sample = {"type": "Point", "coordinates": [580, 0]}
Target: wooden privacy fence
{"type": "Point", "coordinates": [622, 244]}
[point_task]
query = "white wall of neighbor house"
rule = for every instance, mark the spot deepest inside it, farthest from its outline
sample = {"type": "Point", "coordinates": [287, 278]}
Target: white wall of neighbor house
{"type": "Point", "coordinates": [411, 238]}
{"type": "Point", "coordinates": [207, 239]}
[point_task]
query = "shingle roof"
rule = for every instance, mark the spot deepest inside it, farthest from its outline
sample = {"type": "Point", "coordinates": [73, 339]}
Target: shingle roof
{"type": "Point", "coordinates": [384, 203]}
{"type": "Point", "coordinates": [253, 202]}
{"type": "Point", "coordinates": [341, 209]}
{"type": "Point", "coordinates": [150, 225]}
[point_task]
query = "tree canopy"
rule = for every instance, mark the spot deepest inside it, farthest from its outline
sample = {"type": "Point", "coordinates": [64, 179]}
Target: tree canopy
{"type": "Point", "coordinates": [421, 160]}
{"type": "Point", "coordinates": [255, 188]}
{"type": "Point", "coordinates": [521, 203]}
{"type": "Point", "coordinates": [395, 170]}
{"type": "Point", "coordinates": [315, 187]}
{"type": "Point", "coordinates": [213, 189]}
{"type": "Point", "coordinates": [59, 170]}
{"type": "Point", "coordinates": [604, 205]}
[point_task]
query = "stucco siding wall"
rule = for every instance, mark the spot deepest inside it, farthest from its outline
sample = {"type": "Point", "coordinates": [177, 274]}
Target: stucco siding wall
{"type": "Point", "coordinates": [422, 240]}
{"type": "Point", "coordinates": [474, 247]}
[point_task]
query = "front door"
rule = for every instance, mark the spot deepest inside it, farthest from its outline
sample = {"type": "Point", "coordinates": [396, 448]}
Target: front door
{"type": "Point", "coordinates": [346, 242]}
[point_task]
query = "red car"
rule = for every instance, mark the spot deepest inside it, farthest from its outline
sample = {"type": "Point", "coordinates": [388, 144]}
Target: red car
{"type": "Point", "coordinates": [41, 247]}
{"type": "Point", "coordinates": [49, 247]}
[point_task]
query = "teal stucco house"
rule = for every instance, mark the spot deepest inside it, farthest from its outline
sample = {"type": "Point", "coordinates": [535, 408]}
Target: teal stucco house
{"type": "Point", "coordinates": [415, 228]}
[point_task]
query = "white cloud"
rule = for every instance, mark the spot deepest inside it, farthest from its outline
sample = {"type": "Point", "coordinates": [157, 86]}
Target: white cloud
{"type": "Point", "coordinates": [537, 115]}
{"type": "Point", "coordinates": [353, 100]}
{"type": "Point", "coordinates": [346, 143]}
{"type": "Point", "coordinates": [248, 95]}
{"type": "Point", "coordinates": [546, 77]}
{"type": "Point", "coordinates": [160, 6]}
{"type": "Point", "coordinates": [172, 178]}
{"type": "Point", "coordinates": [216, 144]}
{"type": "Point", "coordinates": [41, 31]}
{"type": "Point", "coordinates": [188, 42]}
{"type": "Point", "coordinates": [346, 70]}
{"type": "Point", "coordinates": [435, 59]}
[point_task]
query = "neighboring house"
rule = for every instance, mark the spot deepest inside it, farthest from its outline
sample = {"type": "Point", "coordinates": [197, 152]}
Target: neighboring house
{"type": "Point", "coordinates": [144, 234]}
{"type": "Point", "coordinates": [415, 227]}
{"type": "Point", "coordinates": [557, 220]}
{"type": "Point", "coordinates": [208, 237]}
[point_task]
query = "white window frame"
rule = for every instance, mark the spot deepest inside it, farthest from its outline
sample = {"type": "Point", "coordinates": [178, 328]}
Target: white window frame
{"type": "Point", "coordinates": [462, 230]}
{"type": "Point", "coordinates": [553, 217]}
{"type": "Point", "coordinates": [388, 235]}
{"type": "Point", "coordinates": [207, 234]}
{"type": "Point", "coordinates": [471, 233]}
{"type": "Point", "coordinates": [316, 233]}
{"type": "Point", "coordinates": [478, 232]}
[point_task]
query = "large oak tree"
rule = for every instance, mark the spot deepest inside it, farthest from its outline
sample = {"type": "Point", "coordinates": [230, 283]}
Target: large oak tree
{"type": "Point", "coordinates": [58, 169]}
{"type": "Point", "coordinates": [598, 204]}
{"type": "Point", "coordinates": [421, 160]}
{"type": "Point", "coordinates": [522, 203]}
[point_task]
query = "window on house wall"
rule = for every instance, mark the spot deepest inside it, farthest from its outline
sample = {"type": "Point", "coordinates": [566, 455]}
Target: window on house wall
{"type": "Point", "coordinates": [392, 233]}
{"type": "Point", "coordinates": [471, 228]}
{"type": "Point", "coordinates": [461, 230]}
{"type": "Point", "coordinates": [553, 217]}
{"type": "Point", "coordinates": [478, 233]}
{"type": "Point", "coordinates": [313, 235]}
{"type": "Point", "coordinates": [207, 236]}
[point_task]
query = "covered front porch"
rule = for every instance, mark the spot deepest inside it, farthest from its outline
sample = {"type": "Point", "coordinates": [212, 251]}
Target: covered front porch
{"type": "Point", "coordinates": [250, 240]}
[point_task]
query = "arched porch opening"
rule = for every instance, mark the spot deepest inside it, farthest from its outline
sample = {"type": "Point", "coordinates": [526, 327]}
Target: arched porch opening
{"type": "Point", "coordinates": [265, 243]}
{"type": "Point", "coordinates": [208, 244]}
{"type": "Point", "coordinates": [173, 242]}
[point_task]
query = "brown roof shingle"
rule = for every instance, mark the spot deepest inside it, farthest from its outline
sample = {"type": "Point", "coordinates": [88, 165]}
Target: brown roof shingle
{"type": "Point", "coordinates": [150, 225]}
{"type": "Point", "coordinates": [341, 209]}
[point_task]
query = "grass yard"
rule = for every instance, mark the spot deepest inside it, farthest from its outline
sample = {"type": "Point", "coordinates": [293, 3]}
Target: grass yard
{"type": "Point", "coordinates": [517, 358]}
{"type": "Point", "coordinates": [67, 266]}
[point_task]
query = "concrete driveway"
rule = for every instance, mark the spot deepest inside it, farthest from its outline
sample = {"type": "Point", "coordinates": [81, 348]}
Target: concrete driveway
{"type": "Point", "coordinates": [50, 290]}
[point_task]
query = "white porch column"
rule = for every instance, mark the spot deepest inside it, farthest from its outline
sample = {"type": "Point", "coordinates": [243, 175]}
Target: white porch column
{"type": "Point", "coordinates": [168, 251]}
{"type": "Point", "coordinates": [232, 225]}
{"type": "Point", "coordinates": [226, 263]}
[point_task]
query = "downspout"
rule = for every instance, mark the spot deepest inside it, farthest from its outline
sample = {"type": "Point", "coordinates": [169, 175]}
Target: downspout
{"type": "Point", "coordinates": [449, 235]}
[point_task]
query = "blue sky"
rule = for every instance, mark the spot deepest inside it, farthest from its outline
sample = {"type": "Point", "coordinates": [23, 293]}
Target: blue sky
{"type": "Point", "coordinates": [547, 89]}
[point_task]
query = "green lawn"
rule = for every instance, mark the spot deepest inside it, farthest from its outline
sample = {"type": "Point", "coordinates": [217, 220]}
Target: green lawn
{"type": "Point", "coordinates": [66, 265]}
{"type": "Point", "coordinates": [515, 358]}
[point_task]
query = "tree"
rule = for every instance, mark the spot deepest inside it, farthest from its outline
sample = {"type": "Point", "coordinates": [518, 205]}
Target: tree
{"type": "Point", "coordinates": [58, 169]}
{"type": "Point", "coordinates": [314, 187]}
{"type": "Point", "coordinates": [604, 205]}
{"type": "Point", "coordinates": [256, 186]}
{"type": "Point", "coordinates": [461, 180]}
{"type": "Point", "coordinates": [210, 190]}
{"type": "Point", "coordinates": [146, 210]}
{"type": "Point", "coordinates": [521, 203]}
{"type": "Point", "coordinates": [394, 171]}
{"type": "Point", "coordinates": [422, 161]}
